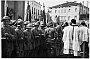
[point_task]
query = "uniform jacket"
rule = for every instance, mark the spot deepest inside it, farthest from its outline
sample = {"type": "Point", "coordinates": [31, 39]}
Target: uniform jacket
{"type": "Point", "coordinates": [20, 34]}
{"type": "Point", "coordinates": [10, 31]}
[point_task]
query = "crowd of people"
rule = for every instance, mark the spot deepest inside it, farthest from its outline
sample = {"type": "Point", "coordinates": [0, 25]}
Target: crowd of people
{"type": "Point", "coordinates": [23, 39]}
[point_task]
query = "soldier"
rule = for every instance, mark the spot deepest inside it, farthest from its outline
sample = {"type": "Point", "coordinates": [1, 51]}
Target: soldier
{"type": "Point", "coordinates": [50, 38]}
{"type": "Point", "coordinates": [28, 40]}
{"type": "Point", "coordinates": [9, 33]}
{"type": "Point", "coordinates": [21, 23]}
{"type": "Point", "coordinates": [36, 33]}
{"type": "Point", "coordinates": [42, 38]}
{"type": "Point", "coordinates": [12, 23]}
{"type": "Point", "coordinates": [36, 37]}
{"type": "Point", "coordinates": [20, 40]}
{"type": "Point", "coordinates": [25, 24]}
{"type": "Point", "coordinates": [59, 42]}
{"type": "Point", "coordinates": [42, 41]}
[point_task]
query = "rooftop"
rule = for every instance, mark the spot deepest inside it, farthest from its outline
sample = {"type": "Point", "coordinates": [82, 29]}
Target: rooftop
{"type": "Point", "coordinates": [67, 4]}
{"type": "Point", "coordinates": [36, 2]}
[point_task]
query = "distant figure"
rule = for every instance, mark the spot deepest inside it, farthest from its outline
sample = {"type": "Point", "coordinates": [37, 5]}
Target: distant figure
{"type": "Point", "coordinates": [70, 39]}
{"type": "Point", "coordinates": [84, 37]}
{"type": "Point", "coordinates": [75, 38]}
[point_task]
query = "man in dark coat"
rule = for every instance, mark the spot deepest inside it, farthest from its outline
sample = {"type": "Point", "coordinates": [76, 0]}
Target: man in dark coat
{"type": "Point", "coordinates": [20, 40]}
{"type": "Point", "coordinates": [36, 37]}
{"type": "Point", "coordinates": [8, 33]}
{"type": "Point", "coordinates": [28, 40]}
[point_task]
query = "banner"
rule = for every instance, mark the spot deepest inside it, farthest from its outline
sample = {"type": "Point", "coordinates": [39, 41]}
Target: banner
{"type": "Point", "coordinates": [28, 15]}
{"type": "Point", "coordinates": [6, 8]}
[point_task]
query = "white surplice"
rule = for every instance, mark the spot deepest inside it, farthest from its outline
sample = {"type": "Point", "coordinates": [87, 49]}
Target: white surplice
{"type": "Point", "coordinates": [67, 39]}
{"type": "Point", "coordinates": [69, 43]}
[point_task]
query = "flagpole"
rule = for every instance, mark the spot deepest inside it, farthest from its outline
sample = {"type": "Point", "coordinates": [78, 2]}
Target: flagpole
{"type": "Point", "coordinates": [86, 9]}
{"type": "Point", "coordinates": [5, 6]}
{"type": "Point", "coordinates": [82, 7]}
{"type": "Point", "coordinates": [44, 15]}
{"type": "Point", "coordinates": [25, 12]}
{"type": "Point", "coordinates": [28, 11]}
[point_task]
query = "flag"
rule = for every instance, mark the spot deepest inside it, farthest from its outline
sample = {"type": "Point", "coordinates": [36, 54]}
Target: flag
{"type": "Point", "coordinates": [28, 11]}
{"type": "Point", "coordinates": [6, 9]}
{"type": "Point", "coordinates": [44, 16]}
{"type": "Point", "coordinates": [48, 17]}
{"type": "Point", "coordinates": [57, 19]}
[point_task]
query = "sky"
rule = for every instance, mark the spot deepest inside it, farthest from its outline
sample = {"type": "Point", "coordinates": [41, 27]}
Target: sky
{"type": "Point", "coordinates": [49, 3]}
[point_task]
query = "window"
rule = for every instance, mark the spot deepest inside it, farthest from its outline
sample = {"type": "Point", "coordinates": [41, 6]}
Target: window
{"type": "Point", "coordinates": [75, 9]}
{"type": "Point", "coordinates": [84, 11]}
{"type": "Point", "coordinates": [38, 12]}
{"type": "Point", "coordinates": [61, 17]}
{"type": "Point", "coordinates": [55, 11]}
{"type": "Point", "coordinates": [64, 10]}
{"type": "Point", "coordinates": [34, 17]}
{"type": "Point", "coordinates": [58, 11]}
{"type": "Point", "coordinates": [64, 17]}
{"type": "Point", "coordinates": [75, 17]}
{"type": "Point", "coordinates": [68, 17]}
{"type": "Point", "coordinates": [69, 10]}
{"type": "Point", "coordinates": [32, 10]}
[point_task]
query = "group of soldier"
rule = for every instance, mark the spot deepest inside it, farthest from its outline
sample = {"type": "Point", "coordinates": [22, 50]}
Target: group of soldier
{"type": "Point", "coordinates": [22, 37]}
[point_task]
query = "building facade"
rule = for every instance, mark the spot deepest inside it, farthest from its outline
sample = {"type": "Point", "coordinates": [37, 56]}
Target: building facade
{"type": "Point", "coordinates": [15, 9]}
{"type": "Point", "coordinates": [35, 8]}
{"type": "Point", "coordinates": [68, 11]}
{"type": "Point", "coordinates": [19, 9]}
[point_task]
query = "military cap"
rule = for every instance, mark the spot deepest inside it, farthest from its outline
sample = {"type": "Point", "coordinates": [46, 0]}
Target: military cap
{"type": "Point", "coordinates": [29, 26]}
{"type": "Point", "coordinates": [50, 23]}
{"type": "Point", "coordinates": [36, 24]}
{"type": "Point", "coordinates": [5, 18]}
{"type": "Point", "coordinates": [12, 22]}
{"type": "Point", "coordinates": [18, 25]}
{"type": "Point", "coordinates": [19, 19]}
{"type": "Point", "coordinates": [33, 24]}
{"type": "Point", "coordinates": [26, 22]}
{"type": "Point", "coordinates": [42, 24]}
{"type": "Point", "coordinates": [20, 22]}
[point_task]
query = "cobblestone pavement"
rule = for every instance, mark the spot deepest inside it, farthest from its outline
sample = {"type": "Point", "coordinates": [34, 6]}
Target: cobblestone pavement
{"type": "Point", "coordinates": [40, 53]}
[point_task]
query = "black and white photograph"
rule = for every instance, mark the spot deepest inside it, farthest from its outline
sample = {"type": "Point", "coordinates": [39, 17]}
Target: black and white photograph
{"type": "Point", "coordinates": [45, 28]}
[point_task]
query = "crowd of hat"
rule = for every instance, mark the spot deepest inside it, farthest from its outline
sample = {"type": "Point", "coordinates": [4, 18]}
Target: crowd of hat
{"type": "Point", "coordinates": [29, 25]}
